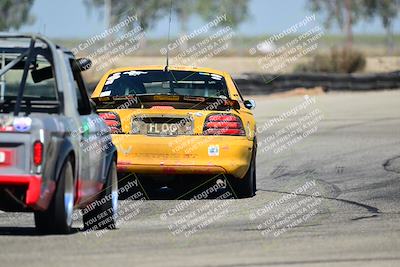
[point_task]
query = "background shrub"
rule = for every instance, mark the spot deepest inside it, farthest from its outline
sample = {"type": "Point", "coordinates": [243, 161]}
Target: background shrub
{"type": "Point", "coordinates": [338, 61]}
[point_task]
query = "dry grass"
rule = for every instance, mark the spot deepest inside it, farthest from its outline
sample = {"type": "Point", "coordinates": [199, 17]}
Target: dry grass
{"type": "Point", "coordinates": [238, 65]}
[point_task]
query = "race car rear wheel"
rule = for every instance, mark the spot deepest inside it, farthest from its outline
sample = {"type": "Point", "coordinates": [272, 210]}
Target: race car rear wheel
{"type": "Point", "coordinates": [102, 214]}
{"type": "Point", "coordinates": [58, 217]}
{"type": "Point", "coordinates": [245, 187]}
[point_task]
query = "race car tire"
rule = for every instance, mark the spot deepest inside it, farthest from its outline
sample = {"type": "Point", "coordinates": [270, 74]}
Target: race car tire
{"type": "Point", "coordinates": [245, 187]}
{"type": "Point", "coordinates": [102, 213]}
{"type": "Point", "coordinates": [58, 217]}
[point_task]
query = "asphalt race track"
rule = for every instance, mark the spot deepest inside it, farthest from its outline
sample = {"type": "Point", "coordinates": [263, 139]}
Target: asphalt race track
{"type": "Point", "coordinates": [339, 154]}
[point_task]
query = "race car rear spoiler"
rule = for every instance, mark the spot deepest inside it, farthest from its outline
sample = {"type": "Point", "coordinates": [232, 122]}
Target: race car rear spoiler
{"type": "Point", "coordinates": [134, 100]}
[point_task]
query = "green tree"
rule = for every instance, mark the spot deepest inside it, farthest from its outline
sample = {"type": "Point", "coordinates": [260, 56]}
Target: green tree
{"type": "Point", "coordinates": [236, 11]}
{"type": "Point", "coordinates": [345, 13]}
{"type": "Point", "coordinates": [183, 10]}
{"type": "Point", "coordinates": [14, 14]}
{"type": "Point", "coordinates": [114, 11]}
{"type": "Point", "coordinates": [387, 11]}
{"type": "Point", "coordinates": [148, 11]}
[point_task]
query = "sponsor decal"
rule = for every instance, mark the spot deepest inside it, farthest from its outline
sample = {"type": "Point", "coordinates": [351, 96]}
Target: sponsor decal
{"type": "Point", "coordinates": [113, 77]}
{"type": "Point", "coordinates": [6, 120]}
{"type": "Point", "coordinates": [216, 77]}
{"type": "Point", "coordinates": [6, 123]}
{"type": "Point", "coordinates": [105, 93]}
{"type": "Point", "coordinates": [134, 73]}
{"type": "Point", "coordinates": [22, 124]}
{"type": "Point", "coordinates": [213, 150]}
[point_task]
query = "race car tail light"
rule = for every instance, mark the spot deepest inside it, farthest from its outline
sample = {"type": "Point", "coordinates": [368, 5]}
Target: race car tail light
{"type": "Point", "coordinates": [113, 121]}
{"type": "Point", "coordinates": [223, 124]}
{"type": "Point", "coordinates": [37, 153]}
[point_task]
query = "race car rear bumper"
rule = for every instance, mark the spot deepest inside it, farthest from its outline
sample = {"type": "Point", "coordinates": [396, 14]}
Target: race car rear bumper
{"type": "Point", "coordinates": [32, 182]}
{"type": "Point", "coordinates": [196, 154]}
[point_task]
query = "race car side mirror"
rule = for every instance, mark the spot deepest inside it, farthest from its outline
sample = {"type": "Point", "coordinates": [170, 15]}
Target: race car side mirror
{"type": "Point", "coordinates": [250, 104]}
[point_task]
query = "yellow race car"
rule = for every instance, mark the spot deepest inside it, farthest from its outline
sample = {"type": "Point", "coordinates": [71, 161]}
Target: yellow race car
{"type": "Point", "coordinates": [180, 122]}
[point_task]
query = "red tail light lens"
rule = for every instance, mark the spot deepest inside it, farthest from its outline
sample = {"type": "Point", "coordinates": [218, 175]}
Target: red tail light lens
{"type": "Point", "coordinates": [223, 124]}
{"type": "Point", "coordinates": [113, 121]}
{"type": "Point", "coordinates": [223, 117]}
{"type": "Point", "coordinates": [37, 153]}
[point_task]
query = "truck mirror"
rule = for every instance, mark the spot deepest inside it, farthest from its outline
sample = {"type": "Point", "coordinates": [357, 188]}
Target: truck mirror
{"type": "Point", "coordinates": [83, 64]}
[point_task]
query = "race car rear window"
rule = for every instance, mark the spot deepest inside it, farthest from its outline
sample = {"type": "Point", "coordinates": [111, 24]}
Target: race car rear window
{"type": "Point", "coordinates": [149, 82]}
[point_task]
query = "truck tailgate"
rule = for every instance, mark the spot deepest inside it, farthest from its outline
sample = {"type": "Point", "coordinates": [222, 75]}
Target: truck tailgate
{"type": "Point", "coordinates": [15, 153]}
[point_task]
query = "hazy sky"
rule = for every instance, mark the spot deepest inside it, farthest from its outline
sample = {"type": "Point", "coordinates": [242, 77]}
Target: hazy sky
{"type": "Point", "coordinates": [71, 19]}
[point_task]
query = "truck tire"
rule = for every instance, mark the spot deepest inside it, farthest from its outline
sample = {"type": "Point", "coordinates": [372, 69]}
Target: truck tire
{"type": "Point", "coordinates": [58, 217]}
{"type": "Point", "coordinates": [102, 213]}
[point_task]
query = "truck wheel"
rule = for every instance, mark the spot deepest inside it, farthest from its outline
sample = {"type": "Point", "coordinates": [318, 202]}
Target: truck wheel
{"type": "Point", "coordinates": [245, 187]}
{"type": "Point", "coordinates": [58, 217]}
{"type": "Point", "coordinates": [102, 213]}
